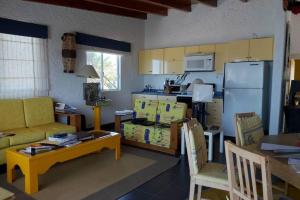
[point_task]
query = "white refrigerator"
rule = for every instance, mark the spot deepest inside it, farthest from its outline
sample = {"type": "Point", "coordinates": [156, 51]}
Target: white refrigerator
{"type": "Point", "coordinates": [246, 89]}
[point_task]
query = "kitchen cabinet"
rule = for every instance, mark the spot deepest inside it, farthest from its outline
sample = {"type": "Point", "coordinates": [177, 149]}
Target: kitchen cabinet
{"type": "Point", "coordinates": [166, 98]}
{"type": "Point", "coordinates": [261, 49]}
{"type": "Point", "coordinates": [191, 50]}
{"type": "Point", "coordinates": [238, 50]}
{"type": "Point", "coordinates": [214, 110]}
{"type": "Point", "coordinates": [206, 48]}
{"type": "Point", "coordinates": [173, 60]}
{"type": "Point", "coordinates": [220, 57]}
{"type": "Point", "coordinates": [151, 61]}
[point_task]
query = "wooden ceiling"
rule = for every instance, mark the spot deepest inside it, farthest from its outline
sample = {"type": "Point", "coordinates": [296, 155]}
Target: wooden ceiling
{"type": "Point", "coordinates": [130, 8]}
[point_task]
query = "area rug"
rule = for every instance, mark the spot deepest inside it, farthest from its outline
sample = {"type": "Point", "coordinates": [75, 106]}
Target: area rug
{"type": "Point", "coordinates": [99, 175]}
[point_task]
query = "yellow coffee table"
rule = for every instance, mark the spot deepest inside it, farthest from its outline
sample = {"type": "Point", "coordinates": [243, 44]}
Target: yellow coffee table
{"type": "Point", "coordinates": [32, 166]}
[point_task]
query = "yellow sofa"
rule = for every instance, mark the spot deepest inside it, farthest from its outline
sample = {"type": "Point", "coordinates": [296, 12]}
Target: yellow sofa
{"type": "Point", "coordinates": [31, 120]}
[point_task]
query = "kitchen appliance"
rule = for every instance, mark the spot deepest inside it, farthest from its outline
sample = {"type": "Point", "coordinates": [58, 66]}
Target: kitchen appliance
{"type": "Point", "coordinates": [199, 62]}
{"type": "Point", "coordinates": [246, 89]}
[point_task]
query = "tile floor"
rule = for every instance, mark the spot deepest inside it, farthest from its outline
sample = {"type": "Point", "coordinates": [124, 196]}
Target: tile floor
{"type": "Point", "coordinates": [172, 184]}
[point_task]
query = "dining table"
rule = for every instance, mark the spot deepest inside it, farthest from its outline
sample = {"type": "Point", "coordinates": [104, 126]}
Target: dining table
{"type": "Point", "coordinates": [279, 164]}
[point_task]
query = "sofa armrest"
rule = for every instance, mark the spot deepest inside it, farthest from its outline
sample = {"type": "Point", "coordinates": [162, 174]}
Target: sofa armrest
{"type": "Point", "coordinates": [118, 120]}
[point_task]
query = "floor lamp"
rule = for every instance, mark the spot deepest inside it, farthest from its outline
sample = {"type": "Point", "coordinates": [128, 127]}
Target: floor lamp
{"type": "Point", "coordinates": [91, 94]}
{"type": "Point", "coordinates": [202, 94]}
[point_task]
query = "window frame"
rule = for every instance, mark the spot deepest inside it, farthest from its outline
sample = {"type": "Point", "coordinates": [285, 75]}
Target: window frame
{"type": "Point", "coordinates": [101, 79]}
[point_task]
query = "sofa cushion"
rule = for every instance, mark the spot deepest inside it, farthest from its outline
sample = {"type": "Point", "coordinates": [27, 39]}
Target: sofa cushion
{"type": "Point", "coordinates": [161, 137]}
{"type": "Point", "coordinates": [25, 135]}
{"type": "Point", "coordinates": [53, 128]}
{"type": "Point", "coordinates": [4, 142]}
{"type": "Point", "coordinates": [38, 111]}
{"type": "Point", "coordinates": [137, 133]}
{"type": "Point", "coordinates": [3, 152]}
{"type": "Point", "coordinates": [12, 114]}
{"type": "Point", "coordinates": [168, 111]}
{"type": "Point", "coordinates": [146, 108]}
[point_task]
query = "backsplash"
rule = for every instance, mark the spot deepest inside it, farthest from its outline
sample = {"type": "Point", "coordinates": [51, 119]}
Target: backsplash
{"type": "Point", "coordinates": [157, 81]}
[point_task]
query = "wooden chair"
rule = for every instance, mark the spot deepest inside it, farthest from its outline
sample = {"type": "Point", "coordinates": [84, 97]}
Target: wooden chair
{"type": "Point", "coordinates": [239, 118]}
{"type": "Point", "coordinates": [249, 131]}
{"type": "Point", "coordinates": [242, 184]}
{"type": "Point", "coordinates": [202, 173]}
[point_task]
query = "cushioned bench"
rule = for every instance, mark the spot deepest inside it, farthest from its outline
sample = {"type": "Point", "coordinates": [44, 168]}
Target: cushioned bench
{"type": "Point", "coordinates": [163, 136]}
{"type": "Point", "coordinates": [31, 120]}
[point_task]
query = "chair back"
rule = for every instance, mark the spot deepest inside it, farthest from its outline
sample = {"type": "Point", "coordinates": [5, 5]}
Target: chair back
{"type": "Point", "coordinates": [248, 128]}
{"type": "Point", "coordinates": [196, 145]}
{"type": "Point", "coordinates": [242, 177]}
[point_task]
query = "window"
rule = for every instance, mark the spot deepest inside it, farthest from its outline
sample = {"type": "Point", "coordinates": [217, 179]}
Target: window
{"type": "Point", "coordinates": [23, 66]}
{"type": "Point", "coordinates": [108, 67]}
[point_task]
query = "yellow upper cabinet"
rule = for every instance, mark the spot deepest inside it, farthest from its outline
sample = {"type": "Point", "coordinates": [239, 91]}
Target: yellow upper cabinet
{"type": "Point", "coordinates": [261, 49]}
{"type": "Point", "coordinates": [151, 61]}
{"type": "Point", "coordinates": [238, 51]}
{"type": "Point", "coordinates": [207, 48]}
{"type": "Point", "coordinates": [191, 50]}
{"type": "Point", "coordinates": [173, 60]}
{"type": "Point", "coordinates": [220, 57]}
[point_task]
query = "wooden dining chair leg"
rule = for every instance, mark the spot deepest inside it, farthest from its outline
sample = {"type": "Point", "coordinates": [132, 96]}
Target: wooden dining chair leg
{"type": "Point", "coordinates": [199, 192]}
{"type": "Point", "coordinates": [192, 189]}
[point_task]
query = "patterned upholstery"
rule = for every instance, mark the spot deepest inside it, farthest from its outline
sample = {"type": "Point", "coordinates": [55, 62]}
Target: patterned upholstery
{"type": "Point", "coordinates": [170, 111]}
{"type": "Point", "coordinates": [137, 133]}
{"type": "Point", "coordinates": [159, 111]}
{"type": "Point", "coordinates": [250, 130]}
{"type": "Point", "coordinates": [145, 108]}
{"type": "Point", "coordinates": [161, 137]}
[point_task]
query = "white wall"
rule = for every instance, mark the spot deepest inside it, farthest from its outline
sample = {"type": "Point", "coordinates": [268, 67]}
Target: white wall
{"type": "Point", "coordinates": [295, 34]}
{"type": "Point", "coordinates": [67, 87]}
{"type": "Point", "coordinates": [231, 20]}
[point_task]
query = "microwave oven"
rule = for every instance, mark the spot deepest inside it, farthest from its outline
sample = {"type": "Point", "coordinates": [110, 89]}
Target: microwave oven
{"type": "Point", "coordinates": [199, 62]}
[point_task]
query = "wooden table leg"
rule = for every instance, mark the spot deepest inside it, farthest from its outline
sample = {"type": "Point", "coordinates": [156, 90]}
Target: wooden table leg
{"type": "Point", "coordinates": [10, 171]}
{"type": "Point", "coordinates": [75, 120]}
{"type": "Point", "coordinates": [118, 150]}
{"type": "Point", "coordinates": [31, 182]}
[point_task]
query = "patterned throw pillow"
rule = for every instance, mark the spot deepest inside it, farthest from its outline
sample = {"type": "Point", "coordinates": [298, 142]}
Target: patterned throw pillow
{"type": "Point", "coordinates": [250, 130]}
{"type": "Point", "coordinates": [145, 108]}
{"type": "Point", "coordinates": [170, 111]}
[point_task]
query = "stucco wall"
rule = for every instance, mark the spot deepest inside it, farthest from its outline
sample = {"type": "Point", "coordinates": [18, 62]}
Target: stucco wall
{"type": "Point", "coordinates": [295, 34]}
{"type": "Point", "coordinates": [231, 20]}
{"type": "Point", "coordinates": [67, 87]}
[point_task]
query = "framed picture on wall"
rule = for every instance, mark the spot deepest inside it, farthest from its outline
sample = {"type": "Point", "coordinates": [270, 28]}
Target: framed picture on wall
{"type": "Point", "coordinates": [91, 93]}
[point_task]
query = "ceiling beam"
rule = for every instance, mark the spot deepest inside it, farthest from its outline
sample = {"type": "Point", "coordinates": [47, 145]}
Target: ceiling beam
{"type": "Point", "coordinates": [213, 3]}
{"type": "Point", "coordinates": [134, 5]}
{"type": "Point", "coordinates": [94, 7]}
{"type": "Point", "coordinates": [184, 5]}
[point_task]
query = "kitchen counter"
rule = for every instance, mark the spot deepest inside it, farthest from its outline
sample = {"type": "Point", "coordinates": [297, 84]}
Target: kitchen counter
{"type": "Point", "coordinates": [217, 95]}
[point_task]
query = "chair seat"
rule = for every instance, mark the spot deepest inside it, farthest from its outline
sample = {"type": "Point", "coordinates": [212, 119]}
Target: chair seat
{"type": "Point", "coordinates": [213, 172]}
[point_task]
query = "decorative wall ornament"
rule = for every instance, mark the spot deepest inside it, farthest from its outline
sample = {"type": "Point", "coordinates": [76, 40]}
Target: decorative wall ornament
{"type": "Point", "coordinates": [69, 52]}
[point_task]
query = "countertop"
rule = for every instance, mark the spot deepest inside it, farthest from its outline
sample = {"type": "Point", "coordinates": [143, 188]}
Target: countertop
{"type": "Point", "coordinates": [217, 95]}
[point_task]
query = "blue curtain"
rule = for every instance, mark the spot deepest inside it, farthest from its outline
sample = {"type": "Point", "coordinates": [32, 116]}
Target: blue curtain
{"type": "Point", "coordinates": [101, 42]}
{"type": "Point", "coordinates": [15, 27]}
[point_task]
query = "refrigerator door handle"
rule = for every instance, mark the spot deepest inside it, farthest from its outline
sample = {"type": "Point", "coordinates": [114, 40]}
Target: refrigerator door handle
{"type": "Point", "coordinates": [254, 64]}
